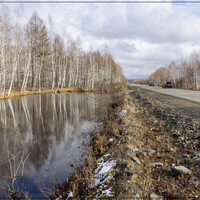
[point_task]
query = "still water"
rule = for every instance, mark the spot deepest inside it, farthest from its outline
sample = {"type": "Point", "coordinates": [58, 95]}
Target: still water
{"type": "Point", "coordinates": [41, 137]}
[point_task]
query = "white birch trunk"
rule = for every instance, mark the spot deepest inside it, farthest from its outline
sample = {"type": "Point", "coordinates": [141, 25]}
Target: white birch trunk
{"type": "Point", "coordinates": [16, 61]}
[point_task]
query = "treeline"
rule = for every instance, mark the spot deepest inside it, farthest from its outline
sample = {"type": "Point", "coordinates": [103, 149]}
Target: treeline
{"type": "Point", "coordinates": [184, 73]}
{"type": "Point", "coordinates": [33, 56]}
{"type": "Point", "coordinates": [141, 81]}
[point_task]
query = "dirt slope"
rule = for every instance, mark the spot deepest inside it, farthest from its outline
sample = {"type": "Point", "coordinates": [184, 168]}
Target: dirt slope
{"type": "Point", "coordinates": [159, 153]}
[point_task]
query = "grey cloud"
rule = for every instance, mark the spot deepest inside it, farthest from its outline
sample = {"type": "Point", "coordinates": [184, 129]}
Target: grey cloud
{"type": "Point", "coordinates": [122, 46]}
{"type": "Point", "coordinates": [122, 26]}
{"type": "Point", "coordinates": [142, 64]}
{"type": "Point", "coordinates": [152, 24]}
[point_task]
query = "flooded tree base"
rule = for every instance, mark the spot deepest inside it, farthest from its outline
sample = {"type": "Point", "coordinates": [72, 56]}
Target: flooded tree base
{"type": "Point", "coordinates": [18, 93]}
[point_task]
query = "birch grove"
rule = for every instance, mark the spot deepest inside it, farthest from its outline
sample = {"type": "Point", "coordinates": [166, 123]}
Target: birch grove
{"type": "Point", "coordinates": [34, 57]}
{"type": "Point", "coordinates": [184, 73]}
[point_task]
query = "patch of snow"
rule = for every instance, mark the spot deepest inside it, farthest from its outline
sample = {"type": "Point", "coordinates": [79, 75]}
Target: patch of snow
{"type": "Point", "coordinates": [123, 112]}
{"type": "Point", "coordinates": [111, 140]}
{"type": "Point", "coordinates": [103, 169]}
{"type": "Point", "coordinates": [136, 149]}
{"type": "Point", "coordinates": [108, 191]}
{"type": "Point", "coordinates": [106, 155]}
{"type": "Point", "coordinates": [104, 173]}
{"type": "Point", "coordinates": [70, 195]}
{"type": "Point", "coordinates": [158, 164]}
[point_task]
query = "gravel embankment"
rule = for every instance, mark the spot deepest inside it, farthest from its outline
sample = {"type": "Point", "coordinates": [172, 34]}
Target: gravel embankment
{"type": "Point", "coordinates": [191, 95]}
{"type": "Point", "coordinates": [177, 105]}
{"type": "Point", "coordinates": [148, 150]}
{"type": "Point", "coordinates": [161, 151]}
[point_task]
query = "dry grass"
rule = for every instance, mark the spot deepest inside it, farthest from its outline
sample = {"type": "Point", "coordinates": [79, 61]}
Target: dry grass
{"type": "Point", "coordinates": [143, 131]}
{"type": "Point", "coordinates": [81, 181]}
{"type": "Point", "coordinates": [65, 90]}
{"type": "Point", "coordinates": [17, 93]}
{"type": "Point", "coordinates": [89, 90]}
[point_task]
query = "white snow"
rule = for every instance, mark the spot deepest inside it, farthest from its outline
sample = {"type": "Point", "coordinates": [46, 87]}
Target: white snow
{"type": "Point", "coordinates": [69, 195]}
{"type": "Point", "coordinates": [108, 191]}
{"type": "Point", "coordinates": [111, 140]}
{"type": "Point", "coordinates": [103, 169]}
{"type": "Point", "coordinates": [103, 174]}
{"type": "Point", "coordinates": [106, 155]}
{"type": "Point", "coordinates": [123, 112]}
{"type": "Point", "coordinates": [158, 164]}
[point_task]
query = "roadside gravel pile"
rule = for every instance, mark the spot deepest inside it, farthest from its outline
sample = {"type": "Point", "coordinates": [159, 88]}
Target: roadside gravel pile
{"type": "Point", "coordinates": [160, 153]}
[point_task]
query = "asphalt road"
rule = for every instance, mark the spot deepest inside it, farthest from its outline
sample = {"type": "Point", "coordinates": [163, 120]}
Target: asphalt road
{"type": "Point", "coordinates": [186, 102]}
{"type": "Point", "coordinates": [180, 93]}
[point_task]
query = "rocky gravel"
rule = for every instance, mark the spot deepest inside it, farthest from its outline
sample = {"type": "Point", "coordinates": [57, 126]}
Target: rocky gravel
{"type": "Point", "coordinates": [183, 126]}
{"type": "Point", "coordinates": [176, 105]}
{"type": "Point", "coordinates": [161, 148]}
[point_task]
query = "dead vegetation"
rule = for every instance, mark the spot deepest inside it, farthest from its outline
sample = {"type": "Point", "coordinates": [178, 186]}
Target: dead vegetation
{"type": "Point", "coordinates": [146, 154]}
{"type": "Point", "coordinates": [149, 154]}
{"type": "Point", "coordinates": [29, 91]}
{"type": "Point", "coordinates": [18, 93]}
{"type": "Point", "coordinates": [81, 182]}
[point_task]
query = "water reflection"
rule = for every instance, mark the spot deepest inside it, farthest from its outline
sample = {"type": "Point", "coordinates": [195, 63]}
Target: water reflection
{"type": "Point", "coordinates": [47, 131]}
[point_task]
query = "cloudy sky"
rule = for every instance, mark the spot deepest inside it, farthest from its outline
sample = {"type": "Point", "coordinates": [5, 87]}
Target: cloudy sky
{"type": "Point", "coordinates": [142, 37]}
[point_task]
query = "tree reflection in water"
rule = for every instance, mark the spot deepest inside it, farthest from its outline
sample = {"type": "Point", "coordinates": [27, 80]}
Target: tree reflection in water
{"type": "Point", "coordinates": [49, 128]}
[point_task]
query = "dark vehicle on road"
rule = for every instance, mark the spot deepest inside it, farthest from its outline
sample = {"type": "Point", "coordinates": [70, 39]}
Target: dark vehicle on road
{"type": "Point", "coordinates": [167, 85]}
{"type": "Point", "coordinates": [151, 84]}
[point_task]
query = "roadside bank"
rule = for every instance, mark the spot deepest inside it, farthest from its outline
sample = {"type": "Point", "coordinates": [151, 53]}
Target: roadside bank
{"type": "Point", "coordinates": [96, 179]}
{"type": "Point", "coordinates": [143, 151]}
{"type": "Point", "coordinates": [161, 152]}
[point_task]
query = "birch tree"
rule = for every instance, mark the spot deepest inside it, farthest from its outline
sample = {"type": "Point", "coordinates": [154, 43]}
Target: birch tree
{"type": "Point", "coordinates": [31, 57]}
{"type": "Point", "coordinates": [5, 29]}
{"type": "Point", "coordinates": [16, 54]}
{"type": "Point", "coordinates": [195, 61]}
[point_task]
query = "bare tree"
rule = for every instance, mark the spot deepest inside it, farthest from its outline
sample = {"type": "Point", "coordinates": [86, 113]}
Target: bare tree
{"type": "Point", "coordinates": [195, 61]}
{"type": "Point", "coordinates": [35, 58]}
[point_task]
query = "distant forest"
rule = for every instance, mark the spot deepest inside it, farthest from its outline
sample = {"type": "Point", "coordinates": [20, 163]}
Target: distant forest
{"type": "Point", "coordinates": [34, 56]}
{"type": "Point", "coordinates": [184, 73]}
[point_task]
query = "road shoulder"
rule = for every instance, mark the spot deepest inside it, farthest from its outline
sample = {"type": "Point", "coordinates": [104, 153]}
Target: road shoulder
{"type": "Point", "coordinates": [160, 152]}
